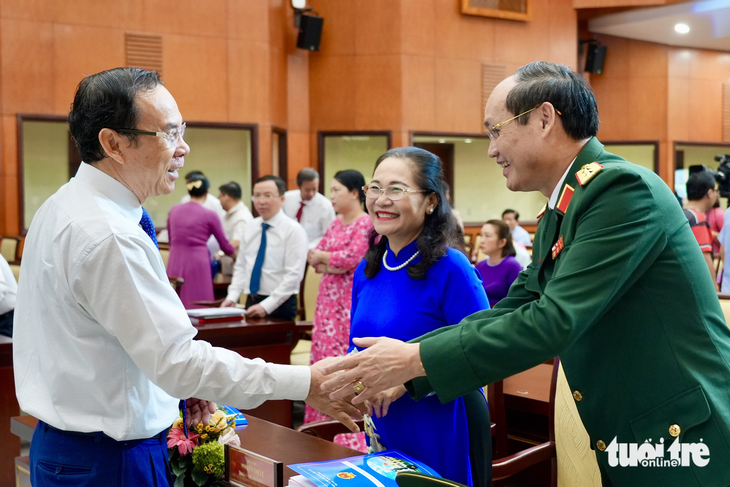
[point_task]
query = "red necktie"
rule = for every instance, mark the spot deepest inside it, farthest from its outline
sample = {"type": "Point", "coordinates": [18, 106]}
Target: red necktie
{"type": "Point", "coordinates": [299, 213]}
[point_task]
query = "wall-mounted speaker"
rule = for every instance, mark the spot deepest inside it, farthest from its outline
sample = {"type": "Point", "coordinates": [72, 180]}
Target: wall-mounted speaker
{"type": "Point", "coordinates": [310, 32]}
{"type": "Point", "coordinates": [595, 58]}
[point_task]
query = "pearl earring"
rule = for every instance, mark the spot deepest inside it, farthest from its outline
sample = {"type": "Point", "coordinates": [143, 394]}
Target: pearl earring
{"type": "Point", "coordinates": [430, 210]}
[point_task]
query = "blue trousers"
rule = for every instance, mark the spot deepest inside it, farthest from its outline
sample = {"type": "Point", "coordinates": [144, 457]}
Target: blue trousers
{"type": "Point", "coordinates": [63, 458]}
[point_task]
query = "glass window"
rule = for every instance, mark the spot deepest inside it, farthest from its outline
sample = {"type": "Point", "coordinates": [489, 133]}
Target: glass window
{"type": "Point", "coordinates": [351, 152]}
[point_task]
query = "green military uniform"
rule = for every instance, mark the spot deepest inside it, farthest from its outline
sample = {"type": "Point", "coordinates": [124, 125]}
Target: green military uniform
{"type": "Point", "coordinates": [619, 289]}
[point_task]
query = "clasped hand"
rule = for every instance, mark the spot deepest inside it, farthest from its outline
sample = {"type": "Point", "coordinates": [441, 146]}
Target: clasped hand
{"type": "Point", "coordinates": [384, 364]}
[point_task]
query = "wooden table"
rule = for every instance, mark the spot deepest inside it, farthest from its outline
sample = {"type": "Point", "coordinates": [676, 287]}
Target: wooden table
{"type": "Point", "coordinates": [9, 444]}
{"type": "Point", "coordinates": [269, 339]}
{"type": "Point", "coordinates": [267, 439]}
{"type": "Point", "coordinates": [527, 406]}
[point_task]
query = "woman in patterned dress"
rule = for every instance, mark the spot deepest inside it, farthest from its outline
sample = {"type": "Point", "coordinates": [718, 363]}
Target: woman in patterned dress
{"type": "Point", "coordinates": [339, 252]}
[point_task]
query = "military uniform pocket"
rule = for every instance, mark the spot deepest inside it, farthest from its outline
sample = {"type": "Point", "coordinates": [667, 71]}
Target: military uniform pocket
{"type": "Point", "coordinates": [687, 417]}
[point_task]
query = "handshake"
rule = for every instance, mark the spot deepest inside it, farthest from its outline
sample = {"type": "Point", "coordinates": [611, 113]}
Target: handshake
{"type": "Point", "coordinates": [364, 382]}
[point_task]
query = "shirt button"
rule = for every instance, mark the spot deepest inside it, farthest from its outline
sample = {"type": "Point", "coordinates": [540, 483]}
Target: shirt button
{"type": "Point", "coordinates": [675, 430]}
{"type": "Point", "coordinates": [577, 396]}
{"type": "Point", "coordinates": [601, 445]}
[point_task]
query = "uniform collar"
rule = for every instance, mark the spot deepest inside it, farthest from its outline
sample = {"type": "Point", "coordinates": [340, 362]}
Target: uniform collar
{"type": "Point", "coordinates": [563, 192]}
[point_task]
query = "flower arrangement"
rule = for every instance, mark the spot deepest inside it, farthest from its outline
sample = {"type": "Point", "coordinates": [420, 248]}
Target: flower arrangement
{"type": "Point", "coordinates": [199, 457]}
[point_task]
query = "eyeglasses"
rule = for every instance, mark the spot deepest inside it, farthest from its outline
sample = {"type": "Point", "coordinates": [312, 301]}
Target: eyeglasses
{"type": "Point", "coordinates": [170, 137]}
{"type": "Point", "coordinates": [493, 131]}
{"type": "Point", "coordinates": [393, 192]}
{"type": "Point", "coordinates": [265, 196]}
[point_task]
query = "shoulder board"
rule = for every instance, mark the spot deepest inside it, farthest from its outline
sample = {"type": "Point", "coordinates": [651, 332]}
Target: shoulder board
{"type": "Point", "coordinates": [588, 172]}
{"type": "Point", "coordinates": [542, 212]}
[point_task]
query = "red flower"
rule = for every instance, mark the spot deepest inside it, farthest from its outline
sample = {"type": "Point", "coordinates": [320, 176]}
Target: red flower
{"type": "Point", "coordinates": [176, 438]}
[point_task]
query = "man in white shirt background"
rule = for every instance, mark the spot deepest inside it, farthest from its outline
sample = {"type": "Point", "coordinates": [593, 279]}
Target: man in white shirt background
{"type": "Point", "coordinates": [311, 209]}
{"type": "Point", "coordinates": [519, 234]}
{"type": "Point", "coordinates": [270, 265]}
{"type": "Point", "coordinates": [236, 217]}
{"type": "Point", "coordinates": [103, 348]}
{"type": "Point", "coordinates": [8, 291]}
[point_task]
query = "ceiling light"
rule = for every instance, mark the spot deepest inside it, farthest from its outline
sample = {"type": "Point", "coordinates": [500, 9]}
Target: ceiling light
{"type": "Point", "coordinates": [681, 28]}
{"type": "Point", "coordinates": [468, 141]}
{"type": "Point", "coordinates": [442, 141]}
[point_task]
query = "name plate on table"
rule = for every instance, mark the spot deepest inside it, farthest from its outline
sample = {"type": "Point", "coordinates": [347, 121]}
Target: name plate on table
{"type": "Point", "coordinates": [245, 468]}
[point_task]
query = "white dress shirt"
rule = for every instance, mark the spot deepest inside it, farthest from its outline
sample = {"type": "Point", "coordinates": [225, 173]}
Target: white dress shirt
{"type": "Point", "coordinates": [8, 287]}
{"type": "Point", "coordinates": [235, 220]}
{"type": "Point", "coordinates": [317, 214]}
{"type": "Point", "coordinates": [101, 340]}
{"type": "Point", "coordinates": [284, 261]}
{"type": "Point", "coordinates": [520, 235]}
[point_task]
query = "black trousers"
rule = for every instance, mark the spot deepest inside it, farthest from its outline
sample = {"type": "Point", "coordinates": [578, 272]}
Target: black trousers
{"type": "Point", "coordinates": [287, 310]}
{"type": "Point", "coordinates": [6, 323]}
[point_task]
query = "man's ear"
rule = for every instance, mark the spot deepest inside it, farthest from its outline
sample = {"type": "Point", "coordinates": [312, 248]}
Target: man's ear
{"type": "Point", "coordinates": [548, 115]}
{"type": "Point", "coordinates": [111, 143]}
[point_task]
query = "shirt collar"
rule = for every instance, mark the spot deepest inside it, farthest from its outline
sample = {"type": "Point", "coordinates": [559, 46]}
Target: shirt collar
{"type": "Point", "coordinates": [235, 208]}
{"type": "Point", "coordinates": [276, 219]}
{"type": "Point", "coordinates": [109, 187]}
{"type": "Point", "coordinates": [556, 192]}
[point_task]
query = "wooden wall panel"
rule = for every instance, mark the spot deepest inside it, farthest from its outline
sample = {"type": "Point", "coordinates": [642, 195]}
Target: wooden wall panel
{"type": "Point", "coordinates": [298, 92]}
{"type": "Point", "coordinates": [249, 71]}
{"type": "Point", "coordinates": [300, 151]}
{"type": "Point", "coordinates": [377, 26]}
{"type": "Point", "coordinates": [127, 15]}
{"type": "Point", "coordinates": [27, 66]}
{"type": "Point", "coordinates": [340, 22]}
{"type": "Point", "coordinates": [378, 92]}
{"type": "Point", "coordinates": [421, 29]}
{"type": "Point", "coordinates": [95, 49]}
{"type": "Point", "coordinates": [9, 221]}
{"type": "Point", "coordinates": [185, 17]}
{"type": "Point", "coordinates": [195, 74]}
{"type": "Point", "coordinates": [248, 21]}
{"type": "Point", "coordinates": [705, 119]}
{"type": "Point", "coordinates": [331, 92]}
{"type": "Point", "coordinates": [419, 99]}
{"type": "Point", "coordinates": [463, 36]}
{"type": "Point", "coordinates": [458, 96]}
{"type": "Point", "coordinates": [678, 109]}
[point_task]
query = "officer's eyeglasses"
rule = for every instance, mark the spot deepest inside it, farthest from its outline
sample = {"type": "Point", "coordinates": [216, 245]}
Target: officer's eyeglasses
{"type": "Point", "coordinates": [170, 137]}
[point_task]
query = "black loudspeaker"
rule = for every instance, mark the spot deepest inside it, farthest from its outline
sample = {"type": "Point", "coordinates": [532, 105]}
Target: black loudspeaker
{"type": "Point", "coordinates": [595, 58]}
{"type": "Point", "coordinates": [310, 32]}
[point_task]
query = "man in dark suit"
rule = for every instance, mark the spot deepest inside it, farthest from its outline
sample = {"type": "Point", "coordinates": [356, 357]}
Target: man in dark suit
{"type": "Point", "coordinates": [611, 290]}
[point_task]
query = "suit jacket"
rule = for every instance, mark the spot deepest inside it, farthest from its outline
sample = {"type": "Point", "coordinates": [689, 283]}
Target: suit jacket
{"type": "Point", "coordinates": [619, 289]}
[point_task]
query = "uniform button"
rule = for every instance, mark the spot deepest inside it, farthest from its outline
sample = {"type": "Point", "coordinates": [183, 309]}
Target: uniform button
{"type": "Point", "coordinates": [675, 430]}
{"type": "Point", "coordinates": [577, 396]}
{"type": "Point", "coordinates": [601, 445]}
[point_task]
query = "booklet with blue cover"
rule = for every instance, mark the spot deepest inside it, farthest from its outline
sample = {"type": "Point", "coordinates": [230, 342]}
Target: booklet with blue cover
{"type": "Point", "coordinates": [377, 469]}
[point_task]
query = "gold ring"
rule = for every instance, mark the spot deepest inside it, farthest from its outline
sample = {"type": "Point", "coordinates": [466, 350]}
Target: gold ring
{"type": "Point", "coordinates": [358, 386]}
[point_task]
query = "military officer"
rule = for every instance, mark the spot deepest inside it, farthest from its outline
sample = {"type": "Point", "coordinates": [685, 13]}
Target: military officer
{"type": "Point", "coordinates": [612, 289]}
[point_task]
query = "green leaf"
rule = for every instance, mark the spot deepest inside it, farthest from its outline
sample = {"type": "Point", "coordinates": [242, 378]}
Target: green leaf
{"type": "Point", "coordinates": [199, 477]}
{"type": "Point", "coordinates": [179, 481]}
{"type": "Point", "coordinates": [177, 469]}
{"type": "Point", "coordinates": [186, 461]}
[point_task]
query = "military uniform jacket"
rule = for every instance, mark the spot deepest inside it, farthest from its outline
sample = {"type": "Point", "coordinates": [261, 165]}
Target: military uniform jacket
{"type": "Point", "coordinates": [619, 290]}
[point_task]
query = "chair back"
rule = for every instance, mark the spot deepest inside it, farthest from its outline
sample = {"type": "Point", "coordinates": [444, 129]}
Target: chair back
{"type": "Point", "coordinates": [9, 247]}
{"type": "Point", "coordinates": [308, 291]}
{"type": "Point", "coordinates": [177, 284]}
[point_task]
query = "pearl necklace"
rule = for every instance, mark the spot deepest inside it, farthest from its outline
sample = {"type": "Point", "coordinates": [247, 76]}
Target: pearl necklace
{"type": "Point", "coordinates": [397, 268]}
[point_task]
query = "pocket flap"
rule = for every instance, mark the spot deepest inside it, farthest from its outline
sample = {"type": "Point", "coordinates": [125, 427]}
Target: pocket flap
{"type": "Point", "coordinates": [687, 410]}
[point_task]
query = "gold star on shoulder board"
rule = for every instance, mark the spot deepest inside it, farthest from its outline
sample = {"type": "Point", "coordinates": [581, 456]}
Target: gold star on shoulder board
{"type": "Point", "coordinates": [588, 172]}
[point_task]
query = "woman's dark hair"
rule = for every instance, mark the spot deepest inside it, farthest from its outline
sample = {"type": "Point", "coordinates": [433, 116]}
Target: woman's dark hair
{"type": "Point", "coordinates": [439, 227]}
{"type": "Point", "coordinates": [352, 180]}
{"type": "Point", "coordinates": [566, 90]}
{"type": "Point", "coordinates": [198, 186]}
{"type": "Point", "coordinates": [504, 232]}
{"type": "Point", "coordinates": [106, 100]}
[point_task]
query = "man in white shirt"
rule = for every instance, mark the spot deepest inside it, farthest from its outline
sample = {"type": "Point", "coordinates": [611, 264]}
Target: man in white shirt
{"type": "Point", "coordinates": [309, 207]}
{"type": "Point", "coordinates": [237, 213]}
{"type": "Point", "coordinates": [103, 347]}
{"type": "Point", "coordinates": [8, 291]}
{"type": "Point", "coordinates": [270, 265]}
{"type": "Point", "coordinates": [519, 234]}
